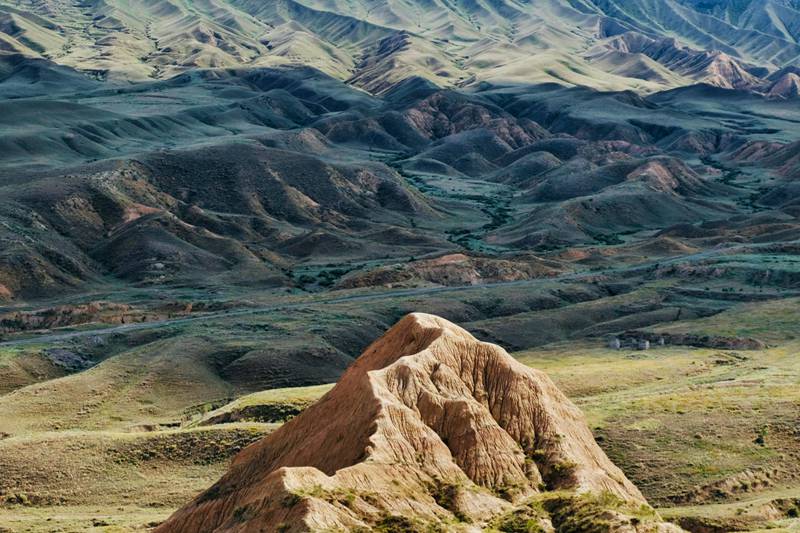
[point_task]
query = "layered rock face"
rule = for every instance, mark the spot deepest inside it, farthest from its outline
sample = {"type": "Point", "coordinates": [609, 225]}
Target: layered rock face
{"type": "Point", "coordinates": [429, 426]}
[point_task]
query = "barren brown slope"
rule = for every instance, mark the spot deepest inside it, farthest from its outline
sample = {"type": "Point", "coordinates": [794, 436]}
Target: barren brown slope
{"type": "Point", "coordinates": [428, 426]}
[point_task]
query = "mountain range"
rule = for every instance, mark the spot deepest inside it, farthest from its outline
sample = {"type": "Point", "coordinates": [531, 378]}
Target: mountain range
{"type": "Point", "coordinates": [644, 45]}
{"type": "Point", "coordinates": [209, 208]}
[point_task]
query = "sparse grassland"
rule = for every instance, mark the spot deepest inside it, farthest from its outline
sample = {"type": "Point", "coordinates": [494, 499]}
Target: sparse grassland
{"type": "Point", "coordinates": [110, 481]}
{"type": "Point", "coordinates": [709, 435]}
{"type": "Point", "coordinates": [274, 405]}
{"type": "Point", "coordinates": [704, 433]}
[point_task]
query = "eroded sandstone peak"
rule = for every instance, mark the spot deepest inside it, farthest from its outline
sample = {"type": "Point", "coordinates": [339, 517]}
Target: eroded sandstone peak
{"type": "Point", "coordinates": [428, 427]}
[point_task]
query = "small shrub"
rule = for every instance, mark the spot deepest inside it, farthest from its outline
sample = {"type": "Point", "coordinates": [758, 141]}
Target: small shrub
{"type": "Point", "coordinates": [445, 494]}
{"type": "Point", "coordinates": [346, 498]}
{"type": "Point", "coordinates": [562, 471]}
{"type": "Point", "coordinates": [761, 438]}
{"type": "Point", "coordinates": [596, 513]}
{"type": "Point", "coordinates": [539, 454]}
{"type": "Point", "coordinates": [508, 492]}
{"type": "Point", "coordinates": [242, 514]}
{"type": "Point", "coordinates": [290, 500]}
{"type": "Point", "coordinates": [526, 519]}
{"type": "Point", "coordinates": [398, 524]}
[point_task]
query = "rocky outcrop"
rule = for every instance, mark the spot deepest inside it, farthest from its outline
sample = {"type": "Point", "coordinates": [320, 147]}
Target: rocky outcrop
{"type": "Point", "coordinates": [429, 426]}
{"type": "Point", "coordinates": [67, 315]}
{"type": "Point", "coordinates": [454, 270]}
{"type": "Point", "coordinates": [707, 66]}
{"type": "Point", "coordinates": [99, 312]}
{"type": "Point", "coordinates": [787, 86]}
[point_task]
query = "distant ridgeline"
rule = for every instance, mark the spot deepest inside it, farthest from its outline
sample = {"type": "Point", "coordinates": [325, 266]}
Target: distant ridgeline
{"type": "Point", "coordinates": [642, 45]}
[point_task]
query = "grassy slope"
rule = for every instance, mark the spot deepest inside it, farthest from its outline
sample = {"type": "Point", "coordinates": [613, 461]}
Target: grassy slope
{"type": "Point", "coordinates": [77, 480]}
{"type": "Point", "coordinates": [702, 432]}
{"type": "Point", "coordinates": [676, 419]}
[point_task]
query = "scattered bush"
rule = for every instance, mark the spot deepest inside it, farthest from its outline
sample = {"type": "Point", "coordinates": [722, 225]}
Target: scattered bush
{"type": "Point", "coordinates": [526, 519]}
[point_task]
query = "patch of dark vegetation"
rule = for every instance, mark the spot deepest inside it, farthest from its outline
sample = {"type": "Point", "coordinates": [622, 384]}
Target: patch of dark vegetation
{"type": "Point", "coordinates": [509, 492]}
{"type": "Point", "coordinates": [324, 279]}
{"type": "Point", "coordinates": [528, 518]}
{"type": "Point", "coordinates": [68, 360]}
{"type": "Point", "coordinates": [734, 486]}
{"type": "Point", "coordinates": [446, 496]}
{"type": "Point", "coordinates": [291, 499]}
{"type": "Point", "coordinates": [243, 514]}
{"type": "Point", "coordinates": [462, 237]}
{"type": "Point", "coordinates": [193, 447]}
{"type": "Point", "coordinates": [611, 239]}
{"type": "Point", "coordinates": [269, 413]}
{"type": "Point", "coordinates": [703, 524]}
{"type": "Point", "coordinates": [345, 497]}
{"type": "Point", "coordinates": [597, 513]}
{"type": "Point", "coordinates": [728, 175]}
{"type": "Point", "coordinates": [559, 474]}
{"type": "Point", "coordinates": [215, 491]}
{"type": "Point", "coordinates": [403, 524]}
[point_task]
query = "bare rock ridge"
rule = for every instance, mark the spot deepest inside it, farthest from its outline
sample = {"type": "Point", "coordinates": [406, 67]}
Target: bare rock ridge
{"type": "Point", "coordinates": [428, 427]}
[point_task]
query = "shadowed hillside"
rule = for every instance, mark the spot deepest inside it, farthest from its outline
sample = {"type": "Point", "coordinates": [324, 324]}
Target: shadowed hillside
{"type": "Point", "coordinates": [260, 174]}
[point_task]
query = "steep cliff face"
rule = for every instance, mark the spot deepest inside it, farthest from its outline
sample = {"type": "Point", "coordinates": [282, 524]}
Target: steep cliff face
{"type": "Point", "coordinates": [428, 426]}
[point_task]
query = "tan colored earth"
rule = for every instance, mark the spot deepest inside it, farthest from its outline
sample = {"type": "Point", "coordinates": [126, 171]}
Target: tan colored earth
{"type": "Point", "coordinates": [428, 426]}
